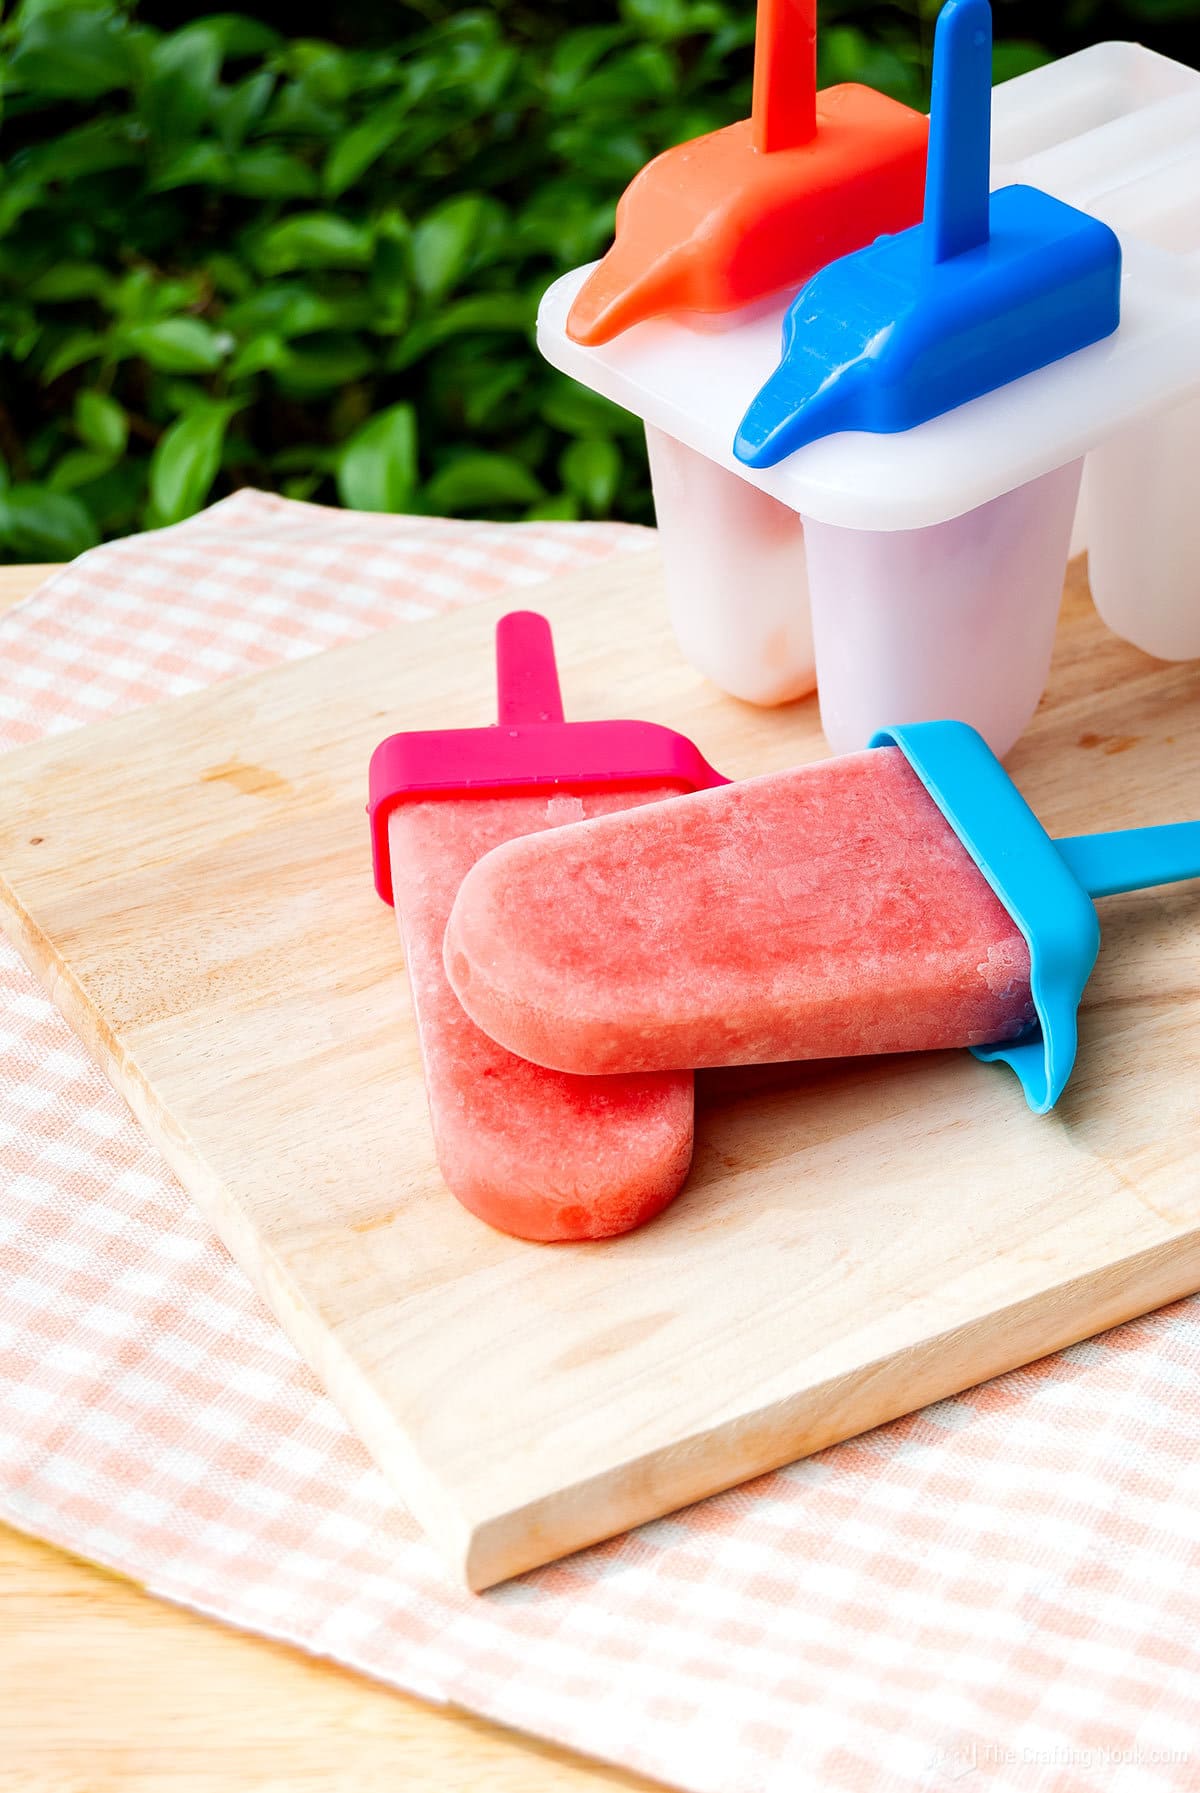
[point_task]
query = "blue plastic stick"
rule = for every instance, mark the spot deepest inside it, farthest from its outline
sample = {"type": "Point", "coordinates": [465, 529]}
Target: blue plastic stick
{"type": "Point", "coordinates": [986, 290]}
{"type": "Point", "coordinates": [958, 170]}
{"type": "Point", "coordinates": [1133, 858]}
{"type": "Point", "coordinates": [1047, 886]}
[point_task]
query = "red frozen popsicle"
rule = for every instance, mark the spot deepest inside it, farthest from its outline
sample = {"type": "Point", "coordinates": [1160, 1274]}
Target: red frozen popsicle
{"type": "Point", "coordinates": [530, 1151]}
{"type": "Point", "coordinates": [820, 912]}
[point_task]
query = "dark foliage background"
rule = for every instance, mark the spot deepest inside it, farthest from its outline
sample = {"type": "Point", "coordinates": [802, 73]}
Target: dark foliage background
{"type": "Point", "coordinates": [303, 249]}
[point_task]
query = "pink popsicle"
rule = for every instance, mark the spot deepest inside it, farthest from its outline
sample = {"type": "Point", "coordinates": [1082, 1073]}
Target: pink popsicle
{"type": "Point", "coordinates": [530, 1151]}
{"type": "Point", "coordinates": [821, 912]}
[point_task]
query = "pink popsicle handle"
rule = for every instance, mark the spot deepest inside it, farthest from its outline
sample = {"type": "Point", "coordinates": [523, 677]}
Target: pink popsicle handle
{"type": "Point", "coordinates": [532, 746]}
{"type": "Point", "coordinates": [784, 108]}
{"type": "Point", "coordinates": [526, 674]}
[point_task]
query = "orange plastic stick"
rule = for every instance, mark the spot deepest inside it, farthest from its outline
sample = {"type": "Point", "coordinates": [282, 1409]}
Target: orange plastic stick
{"type": "Point", "coordinates": [716, 224]}
{"type": "Point", "coordinates": [785, 74]}
{"type": "Point", "coordinates": [728, 219]}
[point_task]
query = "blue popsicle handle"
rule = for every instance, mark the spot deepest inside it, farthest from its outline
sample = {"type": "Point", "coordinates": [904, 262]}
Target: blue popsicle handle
{"type": "Point", "coordinates": [1133, 858]}
{"type": "Point", "coordinates": [958, 170]}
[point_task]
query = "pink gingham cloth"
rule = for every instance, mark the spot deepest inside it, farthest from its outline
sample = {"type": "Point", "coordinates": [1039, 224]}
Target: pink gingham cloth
{"type": "Point", "coordinates": [1002, 1590]}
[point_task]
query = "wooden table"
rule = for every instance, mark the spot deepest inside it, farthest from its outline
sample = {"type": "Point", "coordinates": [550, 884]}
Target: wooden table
{"type": "Point", "coordinates": [103, 1688]}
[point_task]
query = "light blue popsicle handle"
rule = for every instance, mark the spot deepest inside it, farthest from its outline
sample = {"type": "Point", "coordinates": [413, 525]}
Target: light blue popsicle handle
{"type": "Point", "coordinates": [958, 169]}
{"type": "Point", "coordinates": [1133, 858]}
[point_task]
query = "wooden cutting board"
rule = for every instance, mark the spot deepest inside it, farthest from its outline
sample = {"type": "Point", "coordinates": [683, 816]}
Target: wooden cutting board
{"type": "Point", "coordinates": [192, 884]}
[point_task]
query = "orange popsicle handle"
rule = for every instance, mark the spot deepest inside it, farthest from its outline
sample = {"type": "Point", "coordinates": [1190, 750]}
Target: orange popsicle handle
{"type": "Point", "coordinates": [785, 74]}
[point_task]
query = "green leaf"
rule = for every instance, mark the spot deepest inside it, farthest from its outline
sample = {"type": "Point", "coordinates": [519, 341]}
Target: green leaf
{"type": "Point", "coordinates": [577, 52]}
{"type": "Point", "coordinates": [270, 173]}
{"type": "Point", "coordinates": [182, 79]}
{"type": "Point", "coordinates": [377, 468]}
{"type": "Point", "coordinates": [1016, 57]}
{"type": "Point", "coordinates": [19, 193]}
{"type": "Point", "coordinates": [75, 348]}
{"type": "Point", "coordinates": [203, 164]}
{"type": "Point", "coordinates": [592, 470]}
{"type": "Point", "coordinates": [95, 148]}
{"type": "Point", "coordinates": [235, 109]}
{"type": "Point", "coordinates": [477, 315]}
{"type": "Point", "coordinates": [259, 354]}
{"type": "Point", "coordinates": [323, 68]}
{"type": "Point", "coordinates": [144, 297]}
{"type": "Point", "coordinates": [186, 459]}
{"type": "Point", "coordinates": [228, 275]}
{"type": "Point", "coordinates": [76, 54]}
{"type": "Point", "coordinates": [288, 308]}
{"type": "Point", "coordinates": [354, 153]}
{"type": "Point", "coordinates": [321, 364]}
{"type": "Point", "coordinates": [101, 422]}
{"type": "Point", "coordinates": [78, 467]}
{"type": "Point", "coordinates": [577, 411]}
{"type": "Point", "coordinates": [67, 281]}
{"type": "Point", "coordinates": [237, 36]}
{"type": "Point", "coordinates": [482, 482]}
{"type": "Point", "coordinates": [445, 241]}
{"type": "Point", "coordinates": [178, 345]}
{"type": "Point", "coordinates": [37, 524]}
{"type": "Point", "coordinates": [494, 393]}
{"type": "Point", "coordinates": [626, 80]}
{"type": "Point", "coordinates": [302, 486]}
{"type": "Point", "coordinates": [562, 508]}
{"type": "Point", "coordinates": [314, 240]}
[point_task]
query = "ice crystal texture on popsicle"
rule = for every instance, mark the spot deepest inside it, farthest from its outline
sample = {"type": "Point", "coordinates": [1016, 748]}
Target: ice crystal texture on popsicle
{"type": "Point", "coordinates": [821, 912]}
{"type": "Point", "coordinates": [530, 1151]}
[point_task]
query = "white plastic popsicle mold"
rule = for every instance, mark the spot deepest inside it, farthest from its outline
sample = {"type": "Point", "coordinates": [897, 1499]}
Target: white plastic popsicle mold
{"type": "Point", "coordinates": [933, 560]}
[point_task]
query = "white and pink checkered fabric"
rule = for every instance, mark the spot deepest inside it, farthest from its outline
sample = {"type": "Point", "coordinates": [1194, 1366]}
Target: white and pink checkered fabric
{"type": "Point", "coordinates": [1004, 1586]}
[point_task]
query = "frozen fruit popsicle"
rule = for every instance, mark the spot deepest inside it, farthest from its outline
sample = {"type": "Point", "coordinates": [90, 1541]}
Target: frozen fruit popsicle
{"type": "Point", "coordinates": [894, 900]}
{"type": "Point", "coordinates": [813, 913]}
{"type": "Point", "coordinates": [531, 1151]}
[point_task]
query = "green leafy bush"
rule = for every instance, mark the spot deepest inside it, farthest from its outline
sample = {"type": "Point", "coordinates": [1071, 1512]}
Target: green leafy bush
{"type": "Point", "coordinates": [227, 257]}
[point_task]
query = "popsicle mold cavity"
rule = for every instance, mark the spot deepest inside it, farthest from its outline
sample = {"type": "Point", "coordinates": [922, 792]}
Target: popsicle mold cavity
{"type": "Point", "coordinates": [762, 650]}
{"type": "Point", "coordinates": [986, 588]}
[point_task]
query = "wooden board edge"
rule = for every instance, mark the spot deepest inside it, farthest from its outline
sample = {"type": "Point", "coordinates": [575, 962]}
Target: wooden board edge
{"type": "Point", "coordinates": [843, 1407]}
{"type": "Point", "coordinates": [352, 1393]}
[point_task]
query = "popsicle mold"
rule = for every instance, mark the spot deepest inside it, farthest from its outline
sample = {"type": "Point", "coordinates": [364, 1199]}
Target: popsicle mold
{"type": "Point", "coordinates": [709, 516]}
{"type": "Point", "coordinates": [731, 218]}
{"type": "Point", "coordinates": [987, 288]}
{"type": "Point", "coordinates": [882, 519]}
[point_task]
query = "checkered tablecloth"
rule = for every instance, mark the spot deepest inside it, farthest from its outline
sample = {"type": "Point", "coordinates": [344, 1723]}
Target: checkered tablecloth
{"type": "Point", "coordinates": [1001, 1590]}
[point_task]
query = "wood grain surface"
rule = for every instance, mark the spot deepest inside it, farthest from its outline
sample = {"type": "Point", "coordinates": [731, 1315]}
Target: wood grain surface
{"type": "Point", "coordinates": [855, 1240]}
{"type": "Point", "coordinates": [104, 1690]}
